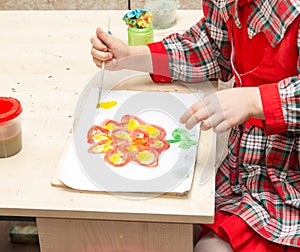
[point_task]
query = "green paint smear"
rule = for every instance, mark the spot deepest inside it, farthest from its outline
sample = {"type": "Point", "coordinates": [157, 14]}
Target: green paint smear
{"type": "Point", "coordinates": [182, 137]}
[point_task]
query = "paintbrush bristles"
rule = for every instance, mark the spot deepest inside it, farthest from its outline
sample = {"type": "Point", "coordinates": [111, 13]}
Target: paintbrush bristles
{"type": "Point", "coordinates": [98, 105]}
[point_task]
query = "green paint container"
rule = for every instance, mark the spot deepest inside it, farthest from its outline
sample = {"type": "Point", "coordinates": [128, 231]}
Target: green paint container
{"type": "Point", "coordinates": [140, 36]}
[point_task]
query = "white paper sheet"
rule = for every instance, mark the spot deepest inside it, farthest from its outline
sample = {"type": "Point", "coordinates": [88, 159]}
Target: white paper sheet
{"type": "Point", "coordinates": [86, 171]}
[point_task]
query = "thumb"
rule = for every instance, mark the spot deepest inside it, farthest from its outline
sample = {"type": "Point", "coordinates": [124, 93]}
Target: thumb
{"type": "Point", "coordinates": [103, 36]}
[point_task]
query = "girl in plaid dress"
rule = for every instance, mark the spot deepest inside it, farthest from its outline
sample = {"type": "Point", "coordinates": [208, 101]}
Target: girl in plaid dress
{"type": "Point", "coordinates": [258, 43]}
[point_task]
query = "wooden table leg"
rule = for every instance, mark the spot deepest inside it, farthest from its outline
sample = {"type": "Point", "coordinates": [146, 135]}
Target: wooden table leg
{"type": "Point", "coordinates": [78, 235]}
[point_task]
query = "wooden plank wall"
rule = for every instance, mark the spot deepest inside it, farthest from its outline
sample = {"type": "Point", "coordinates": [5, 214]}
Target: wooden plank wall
{"type": "Point", "coordinates": [85, 5]}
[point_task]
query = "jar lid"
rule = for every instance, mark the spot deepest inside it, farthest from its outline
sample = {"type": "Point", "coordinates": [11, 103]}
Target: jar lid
{"type": "Point", "coordinates": [10, 108]}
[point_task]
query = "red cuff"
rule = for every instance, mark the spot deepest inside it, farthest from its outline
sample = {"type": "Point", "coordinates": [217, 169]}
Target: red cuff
{"type": "Point", "coordinates": [160, 64]}
{"type": "Point", "coordinates": [274, 121]}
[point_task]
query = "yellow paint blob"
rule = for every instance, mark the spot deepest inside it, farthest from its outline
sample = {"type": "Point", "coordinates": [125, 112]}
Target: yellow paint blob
{"type": "Point", "coordinates": [100, 137]}
{"type": "Point", "coordinates": [145, 157]}
{"type": "Point", "coordinates": [109, 126]}
{"type": "Point", "coordinates": [132, 124]}
{"type": "Point", "coordinates": [132, 148]}
{"type": "Point", "coordinates": [102, 148]}
{"type": "Point", "coordinates": [158, 144]}
{"type": "Point", "coordinates": [152, 131]}
{"type": "Point", "coordinates": [108, 104]}
{"type": "Point", "coordinates": [115, 158]}
{"type": "Point", "coordinates": [122, 135]}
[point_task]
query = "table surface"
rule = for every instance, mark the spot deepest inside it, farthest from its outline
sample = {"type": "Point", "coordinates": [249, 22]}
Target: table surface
{"type": "Point", "coordinates": [46, 63]}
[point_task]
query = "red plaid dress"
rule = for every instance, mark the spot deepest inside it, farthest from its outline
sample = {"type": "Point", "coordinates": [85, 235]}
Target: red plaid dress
{"type": "Point", "coordinates": [259, 181]}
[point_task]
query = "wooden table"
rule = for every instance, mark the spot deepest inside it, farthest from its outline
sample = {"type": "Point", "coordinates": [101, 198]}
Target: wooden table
{"type": "Point", "coordinates": [46, 63]}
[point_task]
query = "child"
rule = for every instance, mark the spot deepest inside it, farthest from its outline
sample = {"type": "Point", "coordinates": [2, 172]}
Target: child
{"type": "Point", "coordinates": [258, 183]}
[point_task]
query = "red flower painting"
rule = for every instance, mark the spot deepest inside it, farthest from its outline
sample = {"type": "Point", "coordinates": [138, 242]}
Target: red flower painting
{"type": "Point", "coordinates": [130, 140]}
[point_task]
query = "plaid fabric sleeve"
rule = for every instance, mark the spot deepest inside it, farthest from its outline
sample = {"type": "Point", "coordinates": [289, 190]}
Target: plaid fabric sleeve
{"type": "Point", "coordinates": [289, 90]}
{"type": "Point", "coordinates": [274, 121]}
{"type": "Point", "coordinates": [202, 52]}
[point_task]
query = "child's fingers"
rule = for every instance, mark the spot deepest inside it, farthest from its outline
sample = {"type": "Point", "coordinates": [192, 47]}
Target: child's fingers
{"type": "Point", "coordinates": [189, 113]}
{"type": "Point", "coordinates": [195, 114]}
{"type": "Point", "coordinates": [221, 127]}
{"type": "Point", "coordinates": [215, 121]}
{"type": "Point", "coordinates": [97, 62]}
{"type": "Point", "coordinates": [196, 118]}
{"type": "Point", "coordinates": [98, 44]}
{"type": "Point", "coordinates": [104, 37]}
{"type": "Point", "coordinates": [100, 55]}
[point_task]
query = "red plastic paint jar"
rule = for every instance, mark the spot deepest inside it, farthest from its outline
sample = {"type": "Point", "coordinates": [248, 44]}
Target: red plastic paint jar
{"type": "Point", "coordinates": [10, 127]}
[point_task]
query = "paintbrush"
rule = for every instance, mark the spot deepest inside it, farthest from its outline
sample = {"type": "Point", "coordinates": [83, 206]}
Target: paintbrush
{"type": "Point", "coordinates": [102, 72]}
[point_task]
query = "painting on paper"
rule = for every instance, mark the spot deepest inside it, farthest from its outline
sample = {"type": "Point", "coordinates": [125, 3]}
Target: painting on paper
{"type": "Point", "coordinates": [135, 143]}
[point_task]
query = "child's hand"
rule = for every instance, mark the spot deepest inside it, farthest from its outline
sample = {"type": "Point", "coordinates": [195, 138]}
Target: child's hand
{"type": "Point", "coordinates": [109, 49]}
{"type": "Point", "coordinates": [224, 109]}
{"type": "Point", "coordinates": [118, 55]}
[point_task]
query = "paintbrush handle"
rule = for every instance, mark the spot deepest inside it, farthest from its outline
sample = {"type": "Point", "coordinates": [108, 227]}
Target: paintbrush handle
{"type": "Point", "coordinates": [102, 71]}
{"type": "Point", "coordinates": [101, 81]}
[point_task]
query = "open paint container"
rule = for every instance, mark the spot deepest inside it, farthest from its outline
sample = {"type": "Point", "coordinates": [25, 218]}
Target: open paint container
{"type": "Point", "coordinates": [163, 12]}
{"type": "Point", "coordinates": [10, 127]}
